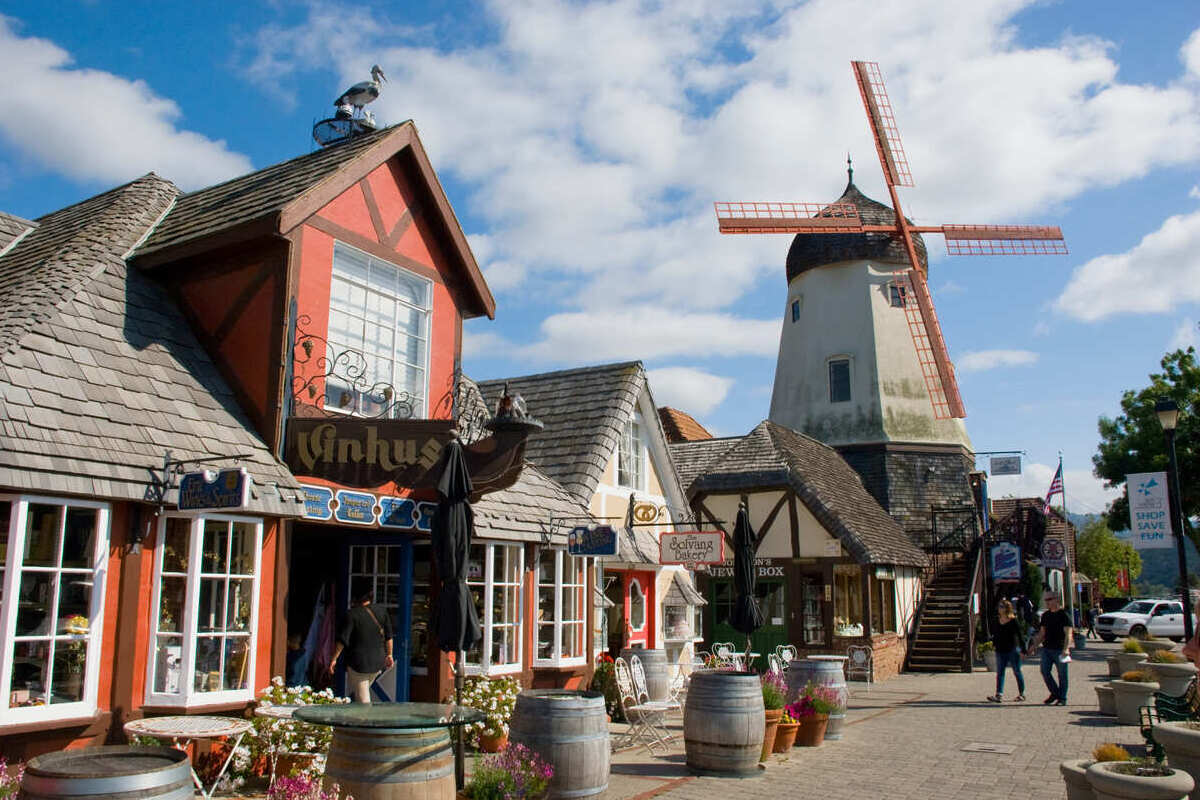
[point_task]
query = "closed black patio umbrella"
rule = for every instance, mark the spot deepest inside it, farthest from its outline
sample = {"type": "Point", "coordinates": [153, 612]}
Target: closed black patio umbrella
{"type": "Point", "coordinates": [746, 616]}
{"type": "Point", "coordinates": [455, 623]}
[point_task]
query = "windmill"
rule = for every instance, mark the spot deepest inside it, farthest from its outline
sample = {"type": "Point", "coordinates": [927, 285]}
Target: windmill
{"type": "Point", "coordinates": [827, 218]}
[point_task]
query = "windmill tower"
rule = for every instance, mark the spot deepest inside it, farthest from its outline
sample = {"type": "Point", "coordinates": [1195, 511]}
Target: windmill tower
{"type": "Point", "coordinates": [862, 362]}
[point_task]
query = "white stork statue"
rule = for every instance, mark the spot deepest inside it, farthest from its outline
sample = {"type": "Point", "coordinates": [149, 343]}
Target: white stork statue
{"type": "Point", "coordinates": [360, 94]}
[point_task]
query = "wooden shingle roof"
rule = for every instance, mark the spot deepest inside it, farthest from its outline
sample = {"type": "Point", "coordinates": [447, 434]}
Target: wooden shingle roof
{"type": "Point", "coordinates": [534, 509]}
{"type": "Point", "coordinates": [679, 426]}
{"type": "Point", "coordinates": [100, 374]}
{"type": "Point", "coordinates": [772, 455]}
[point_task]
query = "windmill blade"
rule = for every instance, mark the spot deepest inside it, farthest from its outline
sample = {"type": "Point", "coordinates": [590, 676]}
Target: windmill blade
{"type": "Point", "coordinates": [932, 355]}
{"type": "Point", "coordinates": [988, 240]}
{"type": "Point", "coordinates": [788, 218]}
{"type": "Point", "coordinates": [883, 123]}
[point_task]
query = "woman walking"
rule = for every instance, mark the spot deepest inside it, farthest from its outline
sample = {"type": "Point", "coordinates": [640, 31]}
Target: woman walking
{"type": "Point", "coordinates": [1007, 641]}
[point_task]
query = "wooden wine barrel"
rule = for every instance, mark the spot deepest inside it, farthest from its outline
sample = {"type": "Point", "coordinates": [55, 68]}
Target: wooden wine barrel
{"type": "Point", "coordinates": [569, 730]}
{"type": "Point", "coordinates": [723, 722]}
{"type": "Point", "coordinates": [391, 764]}
{"type": "Point", "coordinates": [117, 772]}
{"type": "Point", "coordinates": [821, 670]}
{"type": "Point", "coordinates": [658, 671]}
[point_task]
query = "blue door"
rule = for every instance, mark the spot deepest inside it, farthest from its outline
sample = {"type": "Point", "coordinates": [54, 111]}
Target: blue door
{"type": "Point", "coordinates": [386, 564]}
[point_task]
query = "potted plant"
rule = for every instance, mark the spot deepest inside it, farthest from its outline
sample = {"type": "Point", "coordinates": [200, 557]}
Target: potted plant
{"type": "Point", "coordinates": [773, 696]}
{"type": "Point", "coordinates": [814, 703]}
{"type": "Point", "coordinates": [496, 698]}
{"type": "Point", "coordinates": [1152, 644]}
{"type": "Point", "coordinates": [1106, 700]}
{"type": "Point", "coordinates": [604, 680]}
{"type": "Point", "coordinates": [10, 778]}
{"type": "Point", "coordinates": [518, 773]}
{"type": "Point", "coordinates": [1180, 740]}
{"type": "Point", "coordinates": [987, 652]}
{"type": "Point", "coordinates": [1172, 671]}
{"type": "Point", "coordinates": [1133, 690]}
{"type": "Point", "coordinates": [304, 787]}
{"type": "Point", "coordinates": [1138, 779]}
{"type": "Point", "coordinates": [1131, 655]}
{"type": "Point", "coordinates": [1074, 771]}
{"type": "Point", "coordinates": [785, 734]}
{"type": "Point", "coordinates": [294, 747]}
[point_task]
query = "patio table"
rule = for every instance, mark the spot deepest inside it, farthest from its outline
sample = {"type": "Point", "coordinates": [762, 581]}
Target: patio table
{"type": "Point", "coordinates": [182, 731]}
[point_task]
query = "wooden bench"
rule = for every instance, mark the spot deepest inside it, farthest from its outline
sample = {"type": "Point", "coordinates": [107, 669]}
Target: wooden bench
{"type": "Point", "coordinates": [1168, 708]}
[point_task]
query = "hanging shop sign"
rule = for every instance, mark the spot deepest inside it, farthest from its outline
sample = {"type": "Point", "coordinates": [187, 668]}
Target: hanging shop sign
{"type": "Point", "coordinates": [762, 567]}
{"type": "Point", "coordinates": [208, 490]}
{"type": "Point", "coordinates": [691, 547]}
{"type": "Point", "coordinates": [593, 540]}
{"type": "Point", "coordinates": [324, 504]}
{"type": "Point", "coordinates": [367, 453]}
{"type": "Point", "coordinates": [1054, 554]}
{"type": "Point", "coordinates": [646, 512]}
{"type": "Point", "coordinates": [1005, 562]}
{"type": "Point", "coordinates": [1149, 514]}
{"type": "Point", "coordinates": [1005, 465]}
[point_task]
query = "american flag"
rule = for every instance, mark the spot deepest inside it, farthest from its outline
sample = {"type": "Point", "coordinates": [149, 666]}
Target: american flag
{"type": "Point", "coordinates": [1056, 487]}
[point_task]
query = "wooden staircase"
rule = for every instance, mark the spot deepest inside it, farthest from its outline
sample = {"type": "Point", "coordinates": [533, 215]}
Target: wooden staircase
{"type": "Point", "coordinates": [942, 639]}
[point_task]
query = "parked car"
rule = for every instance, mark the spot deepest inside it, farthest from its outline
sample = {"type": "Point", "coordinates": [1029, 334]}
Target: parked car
{"type": "Point", "coordinates": [1162, 618]}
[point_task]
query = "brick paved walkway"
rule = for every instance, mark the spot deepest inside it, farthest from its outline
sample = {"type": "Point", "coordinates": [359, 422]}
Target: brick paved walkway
{"type": "Point", "coordinates": [904, 739]}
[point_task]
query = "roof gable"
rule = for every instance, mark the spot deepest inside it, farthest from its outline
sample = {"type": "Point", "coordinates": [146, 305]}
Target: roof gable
{"type": "Point", "coordinates": [277, 199]}
{"type": "Point", "coordinates": [680, 426]}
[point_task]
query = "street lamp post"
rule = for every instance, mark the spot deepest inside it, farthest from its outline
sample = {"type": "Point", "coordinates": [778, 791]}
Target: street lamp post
{"type": "Point", "coordinates": [1168, 417]}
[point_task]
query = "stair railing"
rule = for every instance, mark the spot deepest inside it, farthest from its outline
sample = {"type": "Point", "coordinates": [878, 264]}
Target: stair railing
{"type": "Point", "coordinates": [973, 589]}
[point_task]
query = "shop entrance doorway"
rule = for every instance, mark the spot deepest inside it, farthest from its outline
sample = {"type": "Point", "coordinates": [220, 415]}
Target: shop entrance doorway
{"type": "Point", "coordinates": [385, 565]}
{"type": "Point", "coordinates": [771, 596]}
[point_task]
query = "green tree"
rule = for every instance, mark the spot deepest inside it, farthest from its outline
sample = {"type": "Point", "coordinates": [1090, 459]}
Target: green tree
{"type": "Point", "coordinates": [1134, 442]}
{"type": "Point", "coordinates": [1100, 554]}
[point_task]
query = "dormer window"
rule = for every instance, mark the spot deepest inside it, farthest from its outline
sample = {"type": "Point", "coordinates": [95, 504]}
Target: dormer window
{"type": "Point", "coordinates": [379, 332]}
{"type": "Point", "coordinates": [631, 452]}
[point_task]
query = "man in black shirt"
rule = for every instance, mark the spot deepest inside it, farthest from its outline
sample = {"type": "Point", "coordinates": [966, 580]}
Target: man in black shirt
{"type": "Point", "coordinates": [366, 639]}
{"type": "Point", "coordinates": [1054, 634]}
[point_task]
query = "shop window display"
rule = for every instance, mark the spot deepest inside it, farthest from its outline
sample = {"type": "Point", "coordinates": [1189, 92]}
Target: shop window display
{"type": "Point", "coordinates": [883, 604]}
{"type": "Point", "coordinates": [494, 580]}
{"type": "Point", "coordinates": [847, 600]}
{"type": "Point", "coordinates": [561, 580]}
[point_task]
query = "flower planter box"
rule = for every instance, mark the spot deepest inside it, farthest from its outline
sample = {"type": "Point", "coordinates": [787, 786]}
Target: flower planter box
{"type": "Point", "coordinates": [1106, 700]}
{"type": "Point", "coordinates": [1114, 666]}
{"type": "Point", "coordinates": [1182, 745]}
{"type": "Point", "coordinates": [1173, 678]}
{"type": "Point", "coordinates": [1131, 696]}
{"type": "Point", "coordinates": [1130, 661]}
{"type": "Point", "coordinates": [1074, 774]}
{"type": "Point", "coordinates": [1108, 784]}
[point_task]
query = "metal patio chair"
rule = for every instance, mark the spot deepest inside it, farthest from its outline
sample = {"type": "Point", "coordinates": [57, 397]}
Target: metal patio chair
{"type": "Point", "coordinates": [786, 653]}
{"type": "Point", "coordinates": [640, 717]}
{"type": "Point", "coordinates": [860, 662]}
{"type": "Point", "coordinates": [643, 693]}
{"type": "Point", "coordinates": [728, 655]}
{"type": "Point", "coordinates": [774, 664]}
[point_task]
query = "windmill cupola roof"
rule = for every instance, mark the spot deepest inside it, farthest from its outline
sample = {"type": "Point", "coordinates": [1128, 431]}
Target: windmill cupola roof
{"type": "Point", "coordinates": [810, 252]}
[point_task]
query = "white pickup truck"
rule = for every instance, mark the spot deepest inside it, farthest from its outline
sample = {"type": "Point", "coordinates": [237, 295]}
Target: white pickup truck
{"type": "Point", "coordinates": [1162, 618]}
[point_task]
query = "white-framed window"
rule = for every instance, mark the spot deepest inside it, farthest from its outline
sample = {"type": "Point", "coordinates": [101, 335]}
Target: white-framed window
{"type": "Point", "coordinates": [382, 312]}
{"type": "Point", "coordinates": [631, 455]}
{"type": "Point", "coordinates": [54, 562]}
{"type": "Point", "coordinates": [561, 609]}
{"type": "Point", "coordinates": [637, 606]}
{"type": "Point", "coordinates": [204, 626]}
{"type": "Point", "coordinates": [494, 579]}
{"type": "Point", "coordinates": [839, 380]}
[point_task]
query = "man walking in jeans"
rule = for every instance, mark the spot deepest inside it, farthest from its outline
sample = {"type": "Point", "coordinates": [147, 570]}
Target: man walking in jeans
{"type": "Point", "coordinates": [1054, 634]}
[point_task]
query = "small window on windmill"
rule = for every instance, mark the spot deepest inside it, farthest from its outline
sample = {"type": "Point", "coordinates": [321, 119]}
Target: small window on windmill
{"type": "Point", "coordinates": [898, 295]}
{"type": "Point", "coordinates": [796, 310]}
{"type": "Point", "coordinates": [839, 380]}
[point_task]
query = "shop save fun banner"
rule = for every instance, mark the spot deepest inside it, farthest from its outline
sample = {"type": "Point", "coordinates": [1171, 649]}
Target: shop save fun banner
{"type": "Point", "coordinates": [1149, 511]}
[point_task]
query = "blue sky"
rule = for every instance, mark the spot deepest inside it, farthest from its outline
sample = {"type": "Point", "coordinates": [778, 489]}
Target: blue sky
{"type": "Point", "coordinates": [583, 143]}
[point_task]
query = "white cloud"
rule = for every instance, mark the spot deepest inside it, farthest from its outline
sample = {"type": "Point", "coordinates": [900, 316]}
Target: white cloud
{"type": "Point", "coordinates": [1041, 328]}
{"type": "Point", "coordinates": [689, 389]}
{"type": "Point", "coordinates": [980, 360]}
{"type": "Point", "coordinates": [1159, 274]}
{"type": "Point", "coordinates": [92, 125]}
{"type": "Point", "coordinates": [1184, 335]}
{"type": "Point", "coordinates": [950, 288]}
{"type": "Point", "coordinates": [1085, 492]}
{"type": "Point", "coordinates": [1194, 192]}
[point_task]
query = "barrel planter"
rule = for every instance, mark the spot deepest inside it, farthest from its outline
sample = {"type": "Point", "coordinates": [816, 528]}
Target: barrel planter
{"type": "Point", "coordinates": [1110, 784]}
{"type": "Point", "coordinates": [1130, 696]}
{"type": "Point", "coordinates": [116, 772]}
{"type": "Point", "coordinates": [658, 671]}
{"type": "Point", "coordinates": [391, 764]}
{"type": "Point", "coordinates": [1172, 678]}
{"type": "Point", "coordinates": [569, 730]}
{"type": "Point", "coordinates": [1181, 742]}
{"type": "Point", "coordinates": [1114, 666]}
{"type": "Point", "coordinates": [1106, 700]}
{"type": "Point", "coordinates": [723, 723]}
{"type": "Point", "coordinates": [823, 671]}
{"type": "Point", "coordinates": [1074, 774]}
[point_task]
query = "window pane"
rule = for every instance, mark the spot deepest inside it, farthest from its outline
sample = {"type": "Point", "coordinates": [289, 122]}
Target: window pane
{"type": "Point", "coordinates": [172, 592]}
{"type": "Point", "coordinates": [237, 662]}
{"type": "Point", "coordinates": [242, 550]}
{"type": "Point", "coordinates": [637, 606]}
{"type": "Point", "coordinates": [79, 538]}
{"type": "Point", "coordinates": [70, 662]}
{"type": "Point", "coordinates": [41, 536]}
{"type": "Point", "coordinates": [839, 381]}
{"type": "Point", "coordinates": [208, 664]}
{"type": "Point", "coordinates": [381, 310]}
{"type": "Point", "coordinates": [168, 664]}
{"type": "Point", "coordinates": [215, 554]}
{"type": "Point", "coordinates": [5, 518]}
{"type": "Point", "coordinates": [33, 603]}
{"type": "Point", "coordinates": [30, 674]}
{"type": "Point", "coordinates": [418, 632]}
{"type": "Point", "coordinates": [413, 290]}
{"type": "Point", "coordinates": [211, 608]}
{"type": "Point", "coordinates": [351, 263]}
{"type": "Point", "coordinates": [546, 560]}
{"type": "Point", "coordinates": [74, 602]}
{"type": "Point", "coordinates": [176, 544]}
{"type": "Point", "coordinates": [241, 594]}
